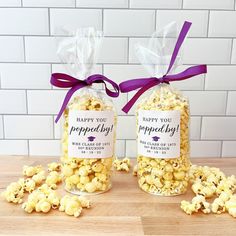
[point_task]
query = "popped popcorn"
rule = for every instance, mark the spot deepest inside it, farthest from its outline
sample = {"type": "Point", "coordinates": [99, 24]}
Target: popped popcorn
{"type": "Point", "coordinates": [198, 203]}
{"type": "Point", "coordinates": [53, 178]}
{"type": "Point", "coordinates": [88, 175]}
{"type": "Point", "coordinates": [14, 193]}
{"type": "Point", "coordinates": [218, 206]}
{"type": "Point", "coordinates": [208, 182]}
{"type": "Point", "coordinates": [166, 176]}
{"type": "Point", "coordinates": [43, 206]}
{"type": "Point", "coordinates": [29, 171]}
{"type": "Point", "coordinates": [39, 177]}
{"type": "Point", "coordinates": [230, 205]}
{"type": "Point", "coordinates": [122, 165]}
{"type": "Point", "coordinates": [135, 170]}
{"type": "Point", "coordinates": [73, 205]}
{"type": "Point", "coordinates": [54, 166]}
{"type": "Point", "coordinates": [29, 185]}
{"type": "Point", "coordinates": [42, 197]}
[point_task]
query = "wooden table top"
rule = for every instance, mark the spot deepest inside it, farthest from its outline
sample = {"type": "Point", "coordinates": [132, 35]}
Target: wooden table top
{"type": "Point", "coordinates": [124, 210]}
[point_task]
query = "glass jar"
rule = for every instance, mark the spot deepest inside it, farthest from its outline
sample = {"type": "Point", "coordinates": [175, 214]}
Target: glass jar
{"type": "Point", "coordinates": [163, 142]}
{"type": "Point", "coordinates": [88, 143]}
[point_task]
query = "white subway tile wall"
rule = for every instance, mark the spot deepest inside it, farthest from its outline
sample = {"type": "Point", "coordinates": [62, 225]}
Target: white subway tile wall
{"type": "Point", "coordinates": [25, 76]}
{"type": "Point", "coordinates": [10, 3]}
{"type": "Point", "coordinates": [200, 19]}
{"type": "Point", "coordinates": [134, 22]}
{"type": "Point", "coordinates": [62, 20]}
{"type": "Point", "coordinates": [48, 3]}
{"type": "Point", "coordinates": [103, 3]}
{"type": "Point", "coordinates": [22, 21]}
{"type": "Point", "coordinates": [209, 4]}
{"type": "Point", "coordinates": [44, 147]}
{"type": "Point", "coordinates": [30, 30]}
{"type": "Point", "coordinates": [175, 4]}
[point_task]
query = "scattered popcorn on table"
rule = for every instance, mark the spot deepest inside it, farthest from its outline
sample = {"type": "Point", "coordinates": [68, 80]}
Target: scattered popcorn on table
{"type": "Point", "coordinates": [14, 193]}
{"type": "Point", "coordinates": [230, 205]}
{"type": "Point", "coordinates": [41, 200]}
{"type": "Point", "coordinates": [29, 171]}
{"type": "Point", "coordinates": [53, 178]}
{"type": "Point", "coordinates": [54, 166]}
{"type": "Point", "coordinates": [39, 178]}
{"type": "Point", "coordinates": [122, 164]}
{"type": "Point", "coordinates": [29, 185]}
{"type": "Point", "coordinates": [208, 182]}
{"type": "Point", "coordinates": [72, 205]}
{"type": "Point", "coordinates": [42, 196]}
{"type": "Point", "coordinates": [135, 170]}
{"type": "Point", "coordinates": [198, 203]}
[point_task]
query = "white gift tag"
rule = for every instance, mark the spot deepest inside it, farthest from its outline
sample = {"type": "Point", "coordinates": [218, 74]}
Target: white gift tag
{"type": "Point", "coordinates": [90, 134]}
{"type": "Point", "coordinates": [159, 133]}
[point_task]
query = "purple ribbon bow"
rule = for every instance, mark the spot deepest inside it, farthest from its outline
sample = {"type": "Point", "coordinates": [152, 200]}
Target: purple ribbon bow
{"type": "Point", "coordinates": [146, 83]}
{"type": "Point", "coordinates": [66, 81]}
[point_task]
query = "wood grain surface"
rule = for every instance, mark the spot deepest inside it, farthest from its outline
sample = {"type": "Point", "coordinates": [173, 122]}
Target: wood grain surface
{"type": "Point", "coordinates": [124, 210]}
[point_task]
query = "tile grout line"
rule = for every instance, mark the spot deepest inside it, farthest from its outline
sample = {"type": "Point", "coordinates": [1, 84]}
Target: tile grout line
{"type": "Point", "coordinates": [49, 22]}
{"type": "Point", "coordinates": [226, 102]}
{"type": "Point", "coordinates": [155, 20]}
{"type": "Point", "coordinates": [53, 128]}
{"type": "Point", "coordinates": [200, 138]}
{"type": "Point", "coordinates": [146, 36]}
{"type": "Point", "coordinates": [221, 149]}
{"type": "Point", "coordinates": [28, 147]}
{"type": "Point", "coordinates": [66, 89]}
{"type": "Point", "coordinates": [120, 8]}
{"type": "Point", "coordinates": [50, 74]}
{"type": "Point", "coordinates": [125, 140]}
{"type": "Point", "coordinates": [24, 51]}
{"type": "Point", "coordinates": [26, 98]}
{"type": "Point", "coordinates": [208, 24]}
{"type": "Point", "coordinates": [130, 115]}
{"type": "Point", "coordinates": [103, 20]}
{"type": "Point", "coordinates": [3, 127]}
{"type": "Point", "coordinates": [128, 44]}
{"type": "Point", "coordinates": [101, 63]}
{"type": "Point", "coordinates": [231, 52]}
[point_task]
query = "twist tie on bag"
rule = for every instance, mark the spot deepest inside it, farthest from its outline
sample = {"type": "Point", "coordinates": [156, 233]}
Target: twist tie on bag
{"type": "Point", "coordinates": [66, 81]}
{"type": "Point", "coordinates": [143, 84]}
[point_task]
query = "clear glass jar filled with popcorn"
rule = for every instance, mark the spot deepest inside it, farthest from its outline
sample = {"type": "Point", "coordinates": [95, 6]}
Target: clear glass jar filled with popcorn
{"type": "Point", "coordinates": [162, 116]}
{"type": "Point", "coordinates": [89, 130]}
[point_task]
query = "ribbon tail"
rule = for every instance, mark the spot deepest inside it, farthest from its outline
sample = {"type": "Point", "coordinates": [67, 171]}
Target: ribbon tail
{"type": "Point", "coordinates": [180, 40]}
{"type": "Point", "coordinates": [67, 99]}
{"type": "Point", "coordinates": [131, 102]}
{"type": "Point", "coordinates": [188, 73]}
{"type": "Point", "coordinates": [134, 84]}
